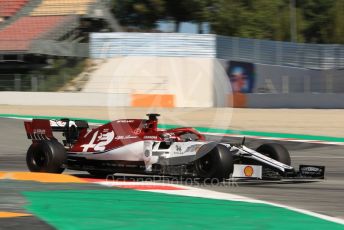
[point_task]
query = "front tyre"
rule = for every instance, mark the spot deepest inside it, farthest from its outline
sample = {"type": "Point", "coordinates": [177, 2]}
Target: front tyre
{"type": "Point", "coordinates": [46, 156]}
{"type": "Point", "coordinates": [275, 151]}
{"type": "Point", "coordinates": [217, 163]}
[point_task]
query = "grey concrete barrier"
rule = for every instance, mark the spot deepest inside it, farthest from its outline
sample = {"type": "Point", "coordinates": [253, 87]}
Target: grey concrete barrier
{"type": "Point", "coordinates": [296, 100]}
{"type": "Point", "coordinates": [63, 99]}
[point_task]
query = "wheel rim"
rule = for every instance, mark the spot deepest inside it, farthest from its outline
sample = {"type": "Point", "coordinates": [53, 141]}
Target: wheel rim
{"type": "Point", "coordinates": [39, 159]}
{"type": "Point", "coordinates": [205, 163]}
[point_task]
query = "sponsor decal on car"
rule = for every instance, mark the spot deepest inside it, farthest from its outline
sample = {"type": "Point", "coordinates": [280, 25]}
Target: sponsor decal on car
{"type": "Point", "coordinates": [137, 131]}
{"type": "Point", "coordinates": [248, 171]}
{"type": "Point", "coordinates": [103, 140]}
{"type": "Point", "coordinates": [39, 131]}
{"type": "Point", "coordinates": [312, 171]}
{"type": "Point", "coordinates": [57, 123]}
{"type": "Point", "coordinates": [178, 150]}
{"type": "Point", "coordinates": [125, 137]}
{"type": "Point", "coordinates": [150, 137]}
{"type": "Point", "coordinates": [193, 148]}
{"type": "Point", "coordinates": [147, 153]}
{"type": "Point", "coordinates": [125, 121]}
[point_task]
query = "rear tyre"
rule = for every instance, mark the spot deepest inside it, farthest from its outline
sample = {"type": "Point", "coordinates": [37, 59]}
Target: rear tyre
{"type": "Point", "coordinates": [275, 151]}
{"type": "Point", "coordinates": [216, 164]}
{"type": "Point", "coordinates": [46, 156]}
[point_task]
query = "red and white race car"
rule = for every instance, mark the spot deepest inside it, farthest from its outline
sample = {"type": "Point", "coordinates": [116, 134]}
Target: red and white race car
{"type": "Point", "coordinates": [138, 146]}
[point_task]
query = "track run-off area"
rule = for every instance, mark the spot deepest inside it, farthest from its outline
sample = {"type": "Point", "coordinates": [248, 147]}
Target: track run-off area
{"type": "Point", "coordinates": [73, 200]}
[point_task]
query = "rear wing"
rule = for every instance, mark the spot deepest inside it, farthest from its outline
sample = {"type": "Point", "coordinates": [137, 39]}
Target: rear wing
{"type": "Point", "coordinates": [42, 129]}
{"type": "Point", "coordinates": [38, 129]}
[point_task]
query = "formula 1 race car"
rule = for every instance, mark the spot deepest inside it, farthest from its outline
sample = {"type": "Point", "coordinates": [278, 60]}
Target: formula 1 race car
{"type": "Point", "coordinates": [138, 146]}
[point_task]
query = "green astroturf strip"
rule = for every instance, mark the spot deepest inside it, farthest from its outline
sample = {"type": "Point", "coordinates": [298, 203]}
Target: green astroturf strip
{"type": "Point", "coordinates": [207, 130]}
{"type": "Point", "coordinates": [130, 209]}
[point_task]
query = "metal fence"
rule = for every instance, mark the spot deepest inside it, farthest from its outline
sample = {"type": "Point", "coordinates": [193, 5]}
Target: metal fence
{"type": "Point", "coordinates": [282, 79]}
{"type": "Point", "coordinates": [33, 83]}
{"type": "Point", "coordinates": [281, 67]}
{"type": "Point", "coordinates": [107, 45]}
{"type": "Point", "coordinates": [289, 84]}
{"type": "Point", "coordinates": [310, 56]}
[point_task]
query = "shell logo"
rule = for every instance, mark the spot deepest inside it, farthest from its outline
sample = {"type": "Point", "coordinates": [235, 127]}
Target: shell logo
{"type": "Point", "coordinates": [248, 171]}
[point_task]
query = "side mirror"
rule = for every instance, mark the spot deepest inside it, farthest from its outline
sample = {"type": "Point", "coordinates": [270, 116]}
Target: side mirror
{"type": "Point", "coordinates": [153, 116]}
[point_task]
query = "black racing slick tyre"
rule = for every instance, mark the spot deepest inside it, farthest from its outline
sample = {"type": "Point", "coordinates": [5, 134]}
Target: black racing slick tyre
{"type": "Point", "coordinates": [216, 164]}
{"type": "Point", "coordinates": [275, 151]}
{"type": "Point", "coordinates": [46, 156]}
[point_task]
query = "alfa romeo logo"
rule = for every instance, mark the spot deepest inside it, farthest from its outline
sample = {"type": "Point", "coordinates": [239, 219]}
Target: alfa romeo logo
{"type": "Point", "coordinates": [147, 153]}
{"type": "Point", "coordinates": [137, 131]}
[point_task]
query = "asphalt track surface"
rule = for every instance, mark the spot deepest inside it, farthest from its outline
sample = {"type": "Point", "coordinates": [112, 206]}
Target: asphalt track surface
{"type": "Point", "coordinates": [325, 197]}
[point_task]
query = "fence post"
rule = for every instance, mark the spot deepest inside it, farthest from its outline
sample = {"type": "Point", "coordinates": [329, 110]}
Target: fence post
{"type": "Point", "coordinates": [329, 83]}
{"type": "Point", "coordinates": [236, 48]}
{"type": "Point", "coordinates": [285, 84]}
{"type": "Point", "coordinates": [278, 53]}
{"type": "Point", "coordinates": [17, 82]}
{"type": "Point", "coordinates": [255, 50]}
{"type": "Point", "coordinates": [34, 84]}
{"type": "Point", "coordinates": [42, 83]}
{"type": "Point", "coordinates": [64, 79]}
{"type": "Point", "coordinates": [307, 84]}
